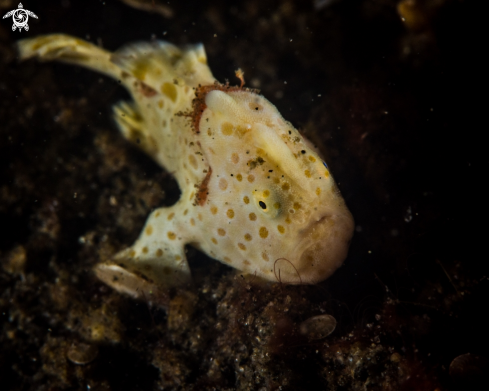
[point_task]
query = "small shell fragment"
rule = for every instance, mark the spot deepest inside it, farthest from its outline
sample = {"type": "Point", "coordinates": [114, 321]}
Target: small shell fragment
{"type": "Point", "coordinates": [318, 327]}
{"type": "Point", "coordinates": [81, 353]}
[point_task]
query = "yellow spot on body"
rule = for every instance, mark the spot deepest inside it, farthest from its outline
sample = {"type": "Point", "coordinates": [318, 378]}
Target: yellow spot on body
{"type": "Point", "coordinates": [230, 213]}
{"type": "Point", "coordinates": [145, 250]}
{"type": "Point", "coordinates": [239, 177]}
{"type": "Point", "coordinates": [199, 216]}
{"type": "Point", "coordinates": [227, 129]}
{"type": "Point", "coordinates": [227, 260]}
{"type": "Point", "coordinates": [209, 132]}
{"type": "Point", "coordinates": [235, 158]}
{"type": "Point", "coordinates": [280, 229]}
{"type": "Point", "coordinates": [248, 237]}
{"type": "Point", "coordinates": [157, 214]}
{"type": "Point", "coordinates": [312, 158]}
{"type": "Point", "coordinates": [251, 178]}
{"type": "Point", "coordinates": [263, 232]}
{"type": "Point", "coordinates": [192, 221]}
{"type": "Point", "coordinates": [296, 205]}
{"type": "Point", "coordinates": [246, 262]}
{"type": "Point", "coordinates": [307, 173]}
{"type": "Point", "coordinates": [242, 130]}
{"type": "Point", "coordinates": [149, 230]}
{"type": "Point", "coordinates": [178, 257]}
{"type": "Point", "coordinates": [223, 184]}
{"type": "Point", "coordinates": [170, 91]}
{"type": "Point", "coordinates": [213, 210]}
{"type": "Point", "coordinates": [185, 212]}
{"type": "Point", "coordinates": [214, 240]}
{"type": "Point", "coordinates": [159, 252]}
{"type": "Point", "coordinates": [285, 187]}
{"type": "Point", "coordinates": [191, 195]}
{"type": "Point", "coordinates": [132, 253]}
{"type": "Point", "coordinates": [193, 161]}
{"type": "Point", "coordinates": [160, 103]}
{"type": "Point", "coordinates": [221, 231]}
{"type": "Point", "coordinates": [265, 256]}
{"type": "Point", "coordinates": [171, 235]}
{"type": "Point", "coordinates": [252, 216]}
{"type": "Point", "coordinates": [164, 123]}
{"type": "Point", "coordinates": [242, 246]}
{"type": "Point", "coordinates": [266, 193]}
{"type": "Point", "coordinates": [326, 173]}
{"type": "Point", "coordinates": [318, 191]}
{"type": "Point", "coordinates": [287, 220]}
{"type": "Point", "coordinates": [260, 152]}
{"type": "Point", "coordinates": [276, 205]}
{"type": "Point", "coordinates": [171, 216]}
{"type": "Point", "coordinates": [246, 200]}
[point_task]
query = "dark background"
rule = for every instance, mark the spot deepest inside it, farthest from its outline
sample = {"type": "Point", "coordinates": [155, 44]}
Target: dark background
{"type": "Point", "coordinates": [397, 108]}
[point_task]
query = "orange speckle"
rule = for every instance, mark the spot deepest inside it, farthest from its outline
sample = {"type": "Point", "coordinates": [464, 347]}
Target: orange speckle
{"type": "Point", "coordinates": [149, 230]}
{"type": "Point", "coordinates": [263, 232]}
{"type": "Point", "coordinates": [246, 200]}
{"type": "Point", "coordinates": [159, 252]}
{"type": "Point", "coordinates": [312, 158]}
{"type": "Point", "coordinates": [242, 246]}
{"type": "Point", "coordinates": [265, 256]}
{"type": "Point", "coordinates": [223, 184]}
{"type": "Point", "coordinates": [307, 173]}
{"type": "Point", "coordinates": [280, 229]}
{"type": "Point", "coordinates": [251, 178]}
{"type": "Point", "coordinates": [221, 231]}
{"type": "Point", "coordinates": [230, 213]}
{"type": "Point", "coordinates": [213, 210]}
{"type": "Point", "coordinates": [235, 158]}
{"type": "Point", "coordinates": [248, 237]}
{"type": "Point", "coordinates": [239, 177]}
{"type": "Point", "coordinates": [252, 216]}
{"type": "Point", "coordinates": [227, 129]}
{"type": "Point", "coordinates": [171, 216]}
{"type": "Point", "coordinates": [171, 235]}
{"type": "Point", "coordinates": [192, 221]}
{"type": "Point", "coordinates": [318, 191]}
{"type": "Point", "coordinates": [145, 250]}
{"type": "Point", "coordinates": [214, 240]}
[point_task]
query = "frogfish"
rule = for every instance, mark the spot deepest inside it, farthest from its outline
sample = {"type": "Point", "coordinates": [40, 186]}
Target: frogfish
{"type": "Point", "coordinates": [255, 194]}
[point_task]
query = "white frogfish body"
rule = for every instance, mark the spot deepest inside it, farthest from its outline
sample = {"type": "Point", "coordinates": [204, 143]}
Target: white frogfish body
{"type": "Point", "coordinates": [255, 193]}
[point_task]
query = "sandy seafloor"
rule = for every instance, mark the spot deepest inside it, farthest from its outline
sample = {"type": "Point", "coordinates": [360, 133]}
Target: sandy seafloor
{"type": "Point", "coordinates": [393, 105]}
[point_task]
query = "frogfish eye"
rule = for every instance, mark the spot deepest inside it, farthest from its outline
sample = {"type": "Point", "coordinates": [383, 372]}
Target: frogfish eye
{"type": "Point", "coordinates": [262, 205]}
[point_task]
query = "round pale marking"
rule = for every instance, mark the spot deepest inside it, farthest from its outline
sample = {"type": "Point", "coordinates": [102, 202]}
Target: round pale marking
{"type": "Point", "coordinates": [159, 252]}
{"type": "Point", "coordinates": [192, 221]}
{"type": "Point", "coordinates": [214, 240]}
{"type": "Point", "coordinates": [227, 129]}
{"type": "Point", "coordinates": [170, 216]}
{"type": "Point", "coordinates": [193, 161]}
{"type": "Point", "coordinates": [252, 216]}
{"type": "Point", "coordinates": [213, 211]}
{"type": "Point", "coordinates": [242, 246]}
{"type": "Point", "coordinates": [223, 184]}
{"type": "Point", "coordinates": [145, 250]}
{"type": "Point", "coordinates": [248, 237]}
{"type": "Point", "coordinates": [235, 158]}
{"type": "Point", "coordinates": [307, 173]}
{"type": "Point", "coordinates": [149, 230]}
{"type": "Point", "coordinates": [239, 177]}
{"type": "Point", "coordinates": [251, 178]}
{"type": "Point", "coordinates": [265, 256]}
{"type": "Point", "coordinates": [280, 229]}
{"type": "Point", "coordinates": [221, 231]}
{"type": "Point", "coordinates": [171, 235]}
{"type": "Point", "coordinates": [263, 232]}
{"type": "Point", "coordinates": [246, 200]}
{"type": "Point", "coordinates": [230, 213]}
